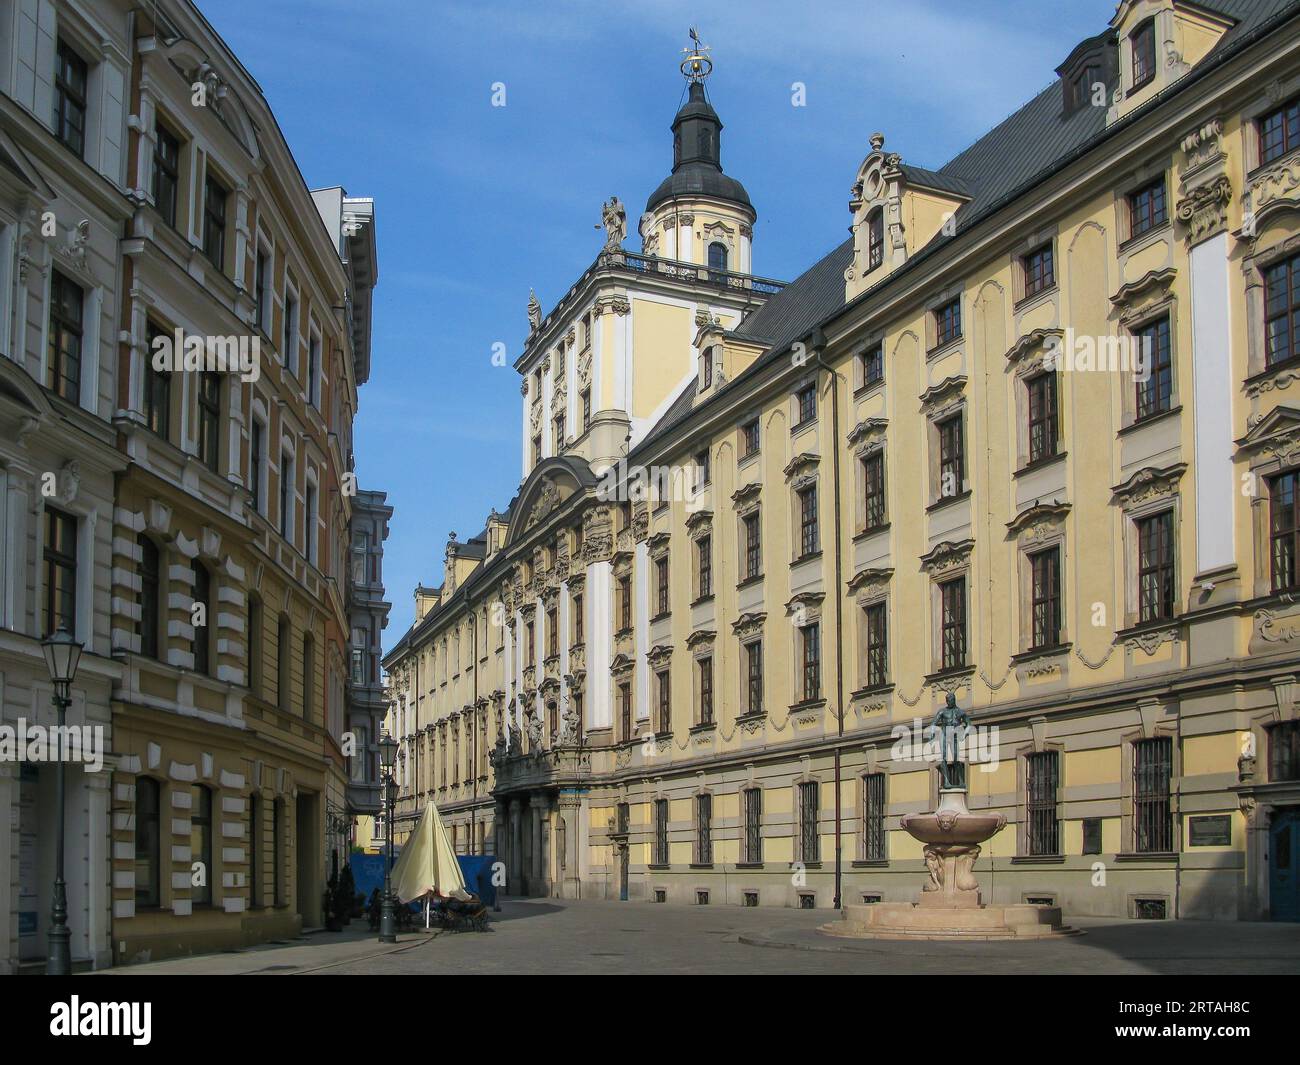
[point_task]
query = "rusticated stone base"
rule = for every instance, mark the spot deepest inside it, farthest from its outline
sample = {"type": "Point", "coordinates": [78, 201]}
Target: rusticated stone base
{"type": "Point", "coordinates": [910, 920]}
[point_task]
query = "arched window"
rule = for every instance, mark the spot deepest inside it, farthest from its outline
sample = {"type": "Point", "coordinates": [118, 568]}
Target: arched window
{"type": "Point", "coordinates": [308, 676]}
{"type": "Point", "coordinates": [717, 256]}
{"type": "Point", "coordinates": [282, 665]}
{"type": "Point", "coordinates": [147, 840]}
{"type": "Point", "coordinates": [150, 574]}
{"type": "Point", "coordinates": [255, 645]}
{"type": "Point", "coordinates": [875, 238]}
{"type": "Point", "coordinates": [202, 619]}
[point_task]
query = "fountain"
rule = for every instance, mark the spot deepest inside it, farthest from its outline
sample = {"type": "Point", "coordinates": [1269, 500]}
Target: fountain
{"type": "Point", "coordinates": [950, 905]}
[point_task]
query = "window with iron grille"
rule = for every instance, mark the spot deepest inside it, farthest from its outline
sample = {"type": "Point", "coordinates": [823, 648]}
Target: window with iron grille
{"type": "Point", "coordinates": [809, 538]}
{"type": "Point", "coordinates": [952, 597]}
{"type": "Point", "coordinates": [1146, 208]}
{"type": "Point", "coordinates": [1284, 530]}
{"type": "Point", "coordinates": [873, 484]}
{"type": "Point", "coordinates": [875, 238]}
{"type": "Point", "coordinates": [1156, 567]}
{"type": "Point", "coordinates": [665, 693]}
{"type": "Point", "coordinates": [661, 585]}
{"type": "Point", "coordinates": [876, 621]}
{"type": "Point", "coordinates": [1153, 822]}
{"type": "Point", "coordinates": [60, 563]}
{"type": "Point", "coordinates": [624, 603]}
{"type": "Point", "coordinates": [214, 221]}
{"type": "Point", "coordinates": [753, 842]}
{"type": "Point", "coordinates": [704, 829]}
{"type": "Point", "coordinates": [1042, 416]}
{"type": "Point", "coordinates": [753, 545]}
{"type": "Point", "coordinates": [166, 173]}
{"type": "Point", "coordinates": [1282, 311]}
{"type": "Point", "coordinates": [1155, 391]}
{"type": "Point", "coordinates": [1045, 598]}
{"type": "Point", "coordinates": [1042, 828]}
{"type": "Point", "coordinates": [873, 365]}
{"type": "Point", "coordinates": [706, 690]}
{"type": "Point", "coordinates": [1143, 43]}
{"type": "Point", "coordinates": [810, 638]}
{"type": "Point", "coordinates": [704, 553]}
{"type": "Point", "coordinates": [1284, 751]}
{"type": "Point", "coordinates": [807, 400]}
{"type": "Point", "coordinates": [1039, 270]}
{"type": "Point", "coordinates": [809, 805]}
{"type": "Point", "coordinates": [947, 322]}
{"type": "Point", "coordinates": [70, 77]}
{"type": "Point", "coordinates": [1279, 131]}
{"type": "Point", "coordinates": [952, 458]}
{"type": "Point", "coordinates": [661, 832]}
{"type": "Point", "coordinates": [209, 420]}
{"type": "Point", "coordinates": [749, 439]}
{"type": "Point", "coordinates": [625, 710]}
{"type": "Point", "coordinates": [67, 302]}
{"type": "Point", "coordinates": [754, 677]}
{"type": "Point", "coordinates": [873, 817]}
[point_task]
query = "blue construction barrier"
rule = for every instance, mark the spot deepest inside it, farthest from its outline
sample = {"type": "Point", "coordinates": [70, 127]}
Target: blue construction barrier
{"type": "Point", "coordinates": [477, 871]}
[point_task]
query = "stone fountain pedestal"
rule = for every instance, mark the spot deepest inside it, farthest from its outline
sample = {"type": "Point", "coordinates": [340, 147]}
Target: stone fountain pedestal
{"type": "Point", "coordinates": [950, 906]}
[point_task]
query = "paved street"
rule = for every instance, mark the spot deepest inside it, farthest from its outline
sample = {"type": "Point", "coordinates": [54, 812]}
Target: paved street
{"type": "Point", "coordinates": [549, 936]}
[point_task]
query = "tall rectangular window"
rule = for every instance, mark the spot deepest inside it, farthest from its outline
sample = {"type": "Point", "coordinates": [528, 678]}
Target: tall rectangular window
{"type": "Point", "coordinates": [201, 845]}
{"type": "Point", "coordinates": [1284, 530]}
{"type": "Point", "coordinates": [661, 832]}
{"type": "Point", "coordinates": [1282, 311]}
{"type": "Point", "coordinates": [806, 399]}
{"type": "Point", "coordinates": [876, 621]}
{"type": "Point", "coordinates": [873, 817]}
{"type": "Point", "coordinates": [1042, 827]}
{"type": "Point", "coordinates": [704, 829]}
{"type": "Point", "coordinates": [214, 221]}
{"type": "Point", "coordinates": [952, 597]}
{"type": "Point", "coordinates": [947, 322]}
{"type": "Point", "coordinates": [157, 391]}
{"type": "Point", "coordinates": [753, 840]}
{"type": "Point", "coordinates": [1045, 598]}
{"type": "Point", "coordinates": [67, 308]}
{"type": "Point", "coordinates": [625, 711]}
{"type": "Point", "coordinates": [313, 377]}
{"type": "Point", "coordinates": [1279, 132]}
{"type": "Point", "coordinates": [873, 490]}
{"type": "Point", "coordinates": [256, 452]}
{"type": "Point", "coordinates": [811, 660]}
{"type": "Point", "coordinates": [1147, 208]}
{"type": "Point", "coordinates": [60, 565]}
{"type": "Point", "coordinates": [166, 173]}
{"type": "Point", "coordinates": [664, 691]}
{"type": "Point", "coordinates": [1043, 428]}
{"type": "Point", "coordinates": [147, 626]}
{"type": "Point", "coordinates": [809, 537]}
{"type": "Point", "coordinates": [875, 238]}
{"type": "Point", "coordinates": [754, 677]}
{"type": "Point", "coordinates": [952, 457]}
{"type": "Point", "coordinates": [262, 293]}
{"type": "Point", "coordinates": [1039, 270]}
{"type": "Point", "coordinates": [70, 79]}
{"type": "Point", "coordinates": [749, 438]}
{"type": "Point", "coordinates": [809, 805]}
{"type": "Point", "coordinates": [579, 635]}
{"type": "Point", "coordinates": [202, 644]}
{"type": "Point", "coordinates": [277, 850]}
{"type": "Point", "coordinates": [1143, 43]}
{"type": "Point", "coordinates": [254, 851]}
{"type": "Point", "coordinates": [1155, 390]}
{"type": "Point", "coordinates": [210, 420]}
{"type": "Point", "coordinates": [706, 690]}
{"type": "Point", "coordinates": [148, 843]}
{"type": "Point", "coordinates": [1284, 751]}
{"type": "Point", "coordinates": [552, 633]}
{"type": "Point", "coordinates": [255, 649]}
{"type": "Point", "coordinates": [625, 604]}
{"type": "Point", "coordinates": [753, 545]}
{"type": "Point", "coordinates": [286, 494]}
{"type": "Point", "coordinates": [1156, 577]}
{"type": "Point", "coordinates": [704, 554]}
{"type": "Point", "coordinates": [873, 365]}
{"type": "Point", "coordinates": [309, 523]}
{"type": "Point", "coordinates": [661, 586]}
{"type": "Point", "coordinates": [586, 410]}
{"type": "Point", "coordinates": [1153, 822]}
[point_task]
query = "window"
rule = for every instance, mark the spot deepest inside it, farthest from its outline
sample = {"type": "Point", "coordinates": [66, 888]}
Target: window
{"type": "Point", "coordinates": [873, 817]}
{"type": "Point", "coordinates": [876, 621]}
{"type": "Point", "coordinates": [661, 832]}
{"type": "Point", "coordinates": [1279, 132]}
{"type": "Point", "coordinates": [706, 369]}
{"type": "Point", "coordinates": [67, 305]}
{"type": "Point", "coordinates": [530, 643]}
{"type": "Point", "coordinates": [624, 604]}
{"type": "Point", "coordinates": [809, 541]}
{"type": "Point", "coordinates": [717, 256]}
{"type": "Point", "coordinates": [625, 710]}
{"type": "Point", "coordinates": [255, 637]}
{"type": "Point", "coordinates": [1284, 751]}
{"type": "Point", "coordinates": [200, 619]}
{"type": "Point", "coordinates": [706, 690]}
{"type": "Point", "coordinates": [282, 665]}
{"type": "Point", "coordinates": [749, 439]}
{"type": "Point", "coordinates": [1284, 529]}
{"type": "Point", "coordinates": [661, 585]}
{"type": "Point", "coordinates": [148, 840]}
{"type": "Point", "coordinates": [704, 829]}
{"type": "Point", "coordinates": [1043, 429]}
{"type": "Point", "coordinates": [754, 677]}
{"type": "Point", "coordinates": [70, 77]}
{"type": "Point", "coordinates": [1282, 312]}
{"type": "Point", "coordinates": [753, 545]}
{"type": "Point", "coordinates": [262, 293]}
{"type": "Point", "coordinates": [286, 495]}
{"type": "Point", "coordinates": [952, 458]}
{"type": "Point", "coordinates": [254, 851]}
{"type": "Point", "coordinates": [313, 373]}
{"type": "Point", "coordinates": [157, 389]}
{"type": "Point", "coordinates": [256, 452]}
{"type": "Point", "coordinates": [873, 365]}
{"type": "Point", "coordinates": [214, 221]}
{"type": "Point", "coordinates": [1042, 828]}
{"type": "Point", "coordinates": [875, 238]}
{"type": "Point", "coordinates": [557, 434]}
{"type": "Point", "coordinates": [578, 634]}
{"type": "Point", "coordinates": [704, 555]}
{"type": "Point", "coordinates": [1146, 208]}
{"type": "Point", "coordinates": [308, 676]}
{"type": "Point", "coordinates": [1045, 598]}
{"type": "Point", "coordinates": [663, 687]}
{"type": "Point", "coordinates": [147, 627]}
{"type": "Point", "coordinates": [552, 633]}
{"type": "Point", "coordinates": [703, 468]}
{"type": "Point", "coordinates": [753, 840]}
{"type": "Point", "coordinates": [309, 521]}
{"type": "Point", "coordinates": [811, 660]}
{"type": "Point", "coordinates": [586, 410]}
{"type": "Point", "coordinates": [210, 420]}
{"type": "Point", "coordinates": [806, 399]}
{"type": "Point", "coordinates": [952, 600]}
{"type": "Point", "coordinates": [277, 850]}
{"type": "Point", "coordinates": [1091, 835]}
{"type": "Point", "coordinates": [289, 334]}
{"type": "Point", "coordinates": [1156, 590]}
{"type": "Point", "coordinates": [809, 804]}
{"type": "Point", "coordinates": [1084, 83]}
{"type": "Point", "coordinates": [1155, 390]}
{"type": "Point", "coordinates": [947, 322]}
{"type": "Point", "coordinates": [60, 563]}
{"type": "Point", "coordinates": [873, 487]}
{"type": "Point", "coordinates": [537, 449]}
{"type": "Point", "coordinates": [201, 845]}
{"type": "Point", "coordinates": [1039, 270]}
{"type": "Point", "coordinates": [1152, 816]}
{"type": "Point", "coordinates": [166, 173]}
{"type": "Point", "coordinates": [1143, 43]}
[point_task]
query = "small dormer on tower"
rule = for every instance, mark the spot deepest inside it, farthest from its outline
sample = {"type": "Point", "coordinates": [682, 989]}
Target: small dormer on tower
{"type": "Point", "coordinates": [698, 214]}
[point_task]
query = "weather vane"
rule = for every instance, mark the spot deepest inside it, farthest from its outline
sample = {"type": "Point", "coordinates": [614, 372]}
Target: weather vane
{"type": "Point", "coordinates": [697, 65]}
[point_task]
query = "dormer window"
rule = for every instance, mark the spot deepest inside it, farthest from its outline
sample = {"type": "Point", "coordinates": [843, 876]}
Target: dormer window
{"type": "Point", "coordinates": [875, 238]}
{"type": "Point", "coordinates": [1142, 42]}
{"type": "Point", "coordinates": [1279, 132]}
{"type": "Point", "coordinates": [706, 369]}
{"type": "Point", "coordinates": [1083, 84]}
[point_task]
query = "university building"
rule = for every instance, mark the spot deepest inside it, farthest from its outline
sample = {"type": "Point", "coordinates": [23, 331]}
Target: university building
{"type": "Point", "coordinates": [184, 346]}
{"type": "Point", "coordinates": [1026, 437]}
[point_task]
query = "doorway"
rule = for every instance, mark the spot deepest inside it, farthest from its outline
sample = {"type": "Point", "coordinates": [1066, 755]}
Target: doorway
{"type": "Point", "coordinates": [1284, 864]}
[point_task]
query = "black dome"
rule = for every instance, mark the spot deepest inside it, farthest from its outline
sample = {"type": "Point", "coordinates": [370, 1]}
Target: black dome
{"type": "Point", "coordinates": [697, 157]}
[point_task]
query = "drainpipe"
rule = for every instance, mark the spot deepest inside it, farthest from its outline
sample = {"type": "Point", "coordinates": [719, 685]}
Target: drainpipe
{"type": "Point", "coordinates": [473, 724]}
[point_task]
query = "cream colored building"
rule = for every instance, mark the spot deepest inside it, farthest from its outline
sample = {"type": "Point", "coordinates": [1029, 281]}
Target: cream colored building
{"type": "Point", "coordinates": [1026, 437]}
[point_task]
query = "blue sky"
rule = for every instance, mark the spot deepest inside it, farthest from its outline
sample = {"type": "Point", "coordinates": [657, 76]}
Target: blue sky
{"type": "Point", "coordinates": [476, 204]}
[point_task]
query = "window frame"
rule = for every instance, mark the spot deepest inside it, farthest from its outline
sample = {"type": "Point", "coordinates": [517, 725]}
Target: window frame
{"type": "Point", "coordinates": [215, 219]}
{"type": "Point", "coordinates": [59, 555]}
{"type": "Point", "coordinates": [64, 324]}
{"type": "Point", "coordinates": [69, 99]}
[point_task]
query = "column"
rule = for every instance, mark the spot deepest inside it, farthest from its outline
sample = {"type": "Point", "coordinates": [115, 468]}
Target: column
{"type": "Point", "coordinates": [570, 884]}
{"type": "Point", "coordinates": [515, 858]}
{"type": "Point", "coordinates": [546, 874]}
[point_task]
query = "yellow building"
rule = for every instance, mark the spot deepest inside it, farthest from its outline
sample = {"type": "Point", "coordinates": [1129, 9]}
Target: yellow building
{"type": "Point", "coordinates": [1024, 437]}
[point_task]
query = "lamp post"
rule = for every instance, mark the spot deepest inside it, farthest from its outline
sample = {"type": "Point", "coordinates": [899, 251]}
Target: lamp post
{"type": "Point", "coordinates": [62, 653]}
{"type": "Point", "coordinates": [387, 918]}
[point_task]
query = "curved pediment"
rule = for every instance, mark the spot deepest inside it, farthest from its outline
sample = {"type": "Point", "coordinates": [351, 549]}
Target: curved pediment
{"type": "Point", "coordinates": [550, 485]}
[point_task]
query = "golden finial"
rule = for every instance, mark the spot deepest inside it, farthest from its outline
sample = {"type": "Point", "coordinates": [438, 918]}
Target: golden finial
{"type": "Point", "coordinates": [697, 65]}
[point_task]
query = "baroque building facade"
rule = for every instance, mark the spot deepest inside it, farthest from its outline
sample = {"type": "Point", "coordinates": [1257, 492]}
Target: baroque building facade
{"type": "Point", "coordinates": [185, 348]}
{"type": "Point", "coordinates": [1025, 437]}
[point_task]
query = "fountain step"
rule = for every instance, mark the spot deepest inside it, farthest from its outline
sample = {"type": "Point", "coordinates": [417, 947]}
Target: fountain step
{"type": "Point", "coordinates": [907, 920]}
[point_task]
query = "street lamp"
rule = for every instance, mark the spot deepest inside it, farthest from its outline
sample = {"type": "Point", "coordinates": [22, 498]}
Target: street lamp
{"type": "Point", "coordinates": [387, 918]}
{"type": "Point", "coordinates": [62, 654]}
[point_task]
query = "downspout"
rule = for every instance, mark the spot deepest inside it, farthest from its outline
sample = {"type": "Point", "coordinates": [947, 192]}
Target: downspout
{"type": "Point", "coordinates": [473, 724]}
